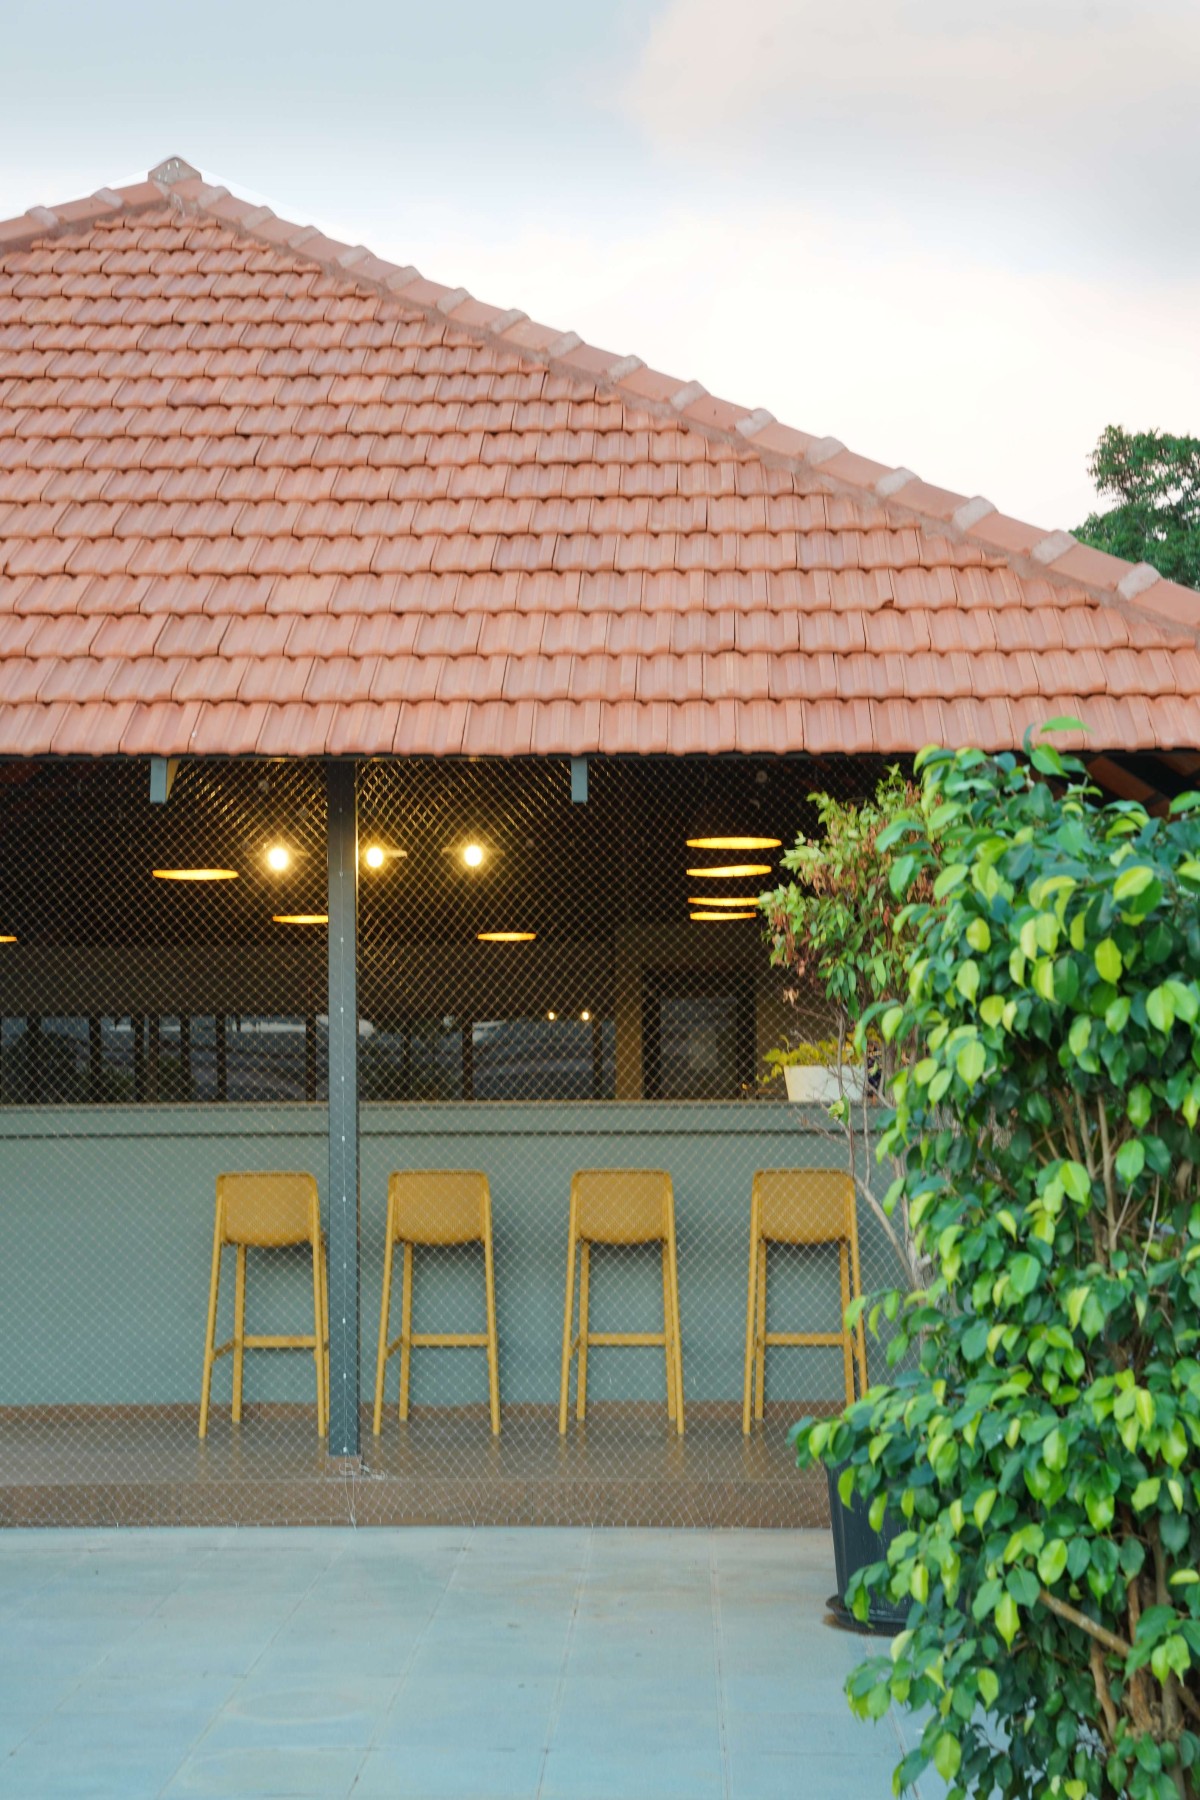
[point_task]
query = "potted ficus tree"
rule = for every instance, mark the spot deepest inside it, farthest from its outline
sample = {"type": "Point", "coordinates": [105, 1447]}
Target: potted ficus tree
{"type": "Point", "coordinates": [1045, 1450]}
{"type": "Point", "coordinates": [837, 923]}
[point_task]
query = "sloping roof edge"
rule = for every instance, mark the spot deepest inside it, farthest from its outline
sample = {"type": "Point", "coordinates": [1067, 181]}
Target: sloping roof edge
{"type": "Point", "coordinates": [1136, 590]}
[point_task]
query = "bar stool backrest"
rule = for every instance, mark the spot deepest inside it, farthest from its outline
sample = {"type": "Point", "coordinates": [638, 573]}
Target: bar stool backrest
{"type": "Point", "coordinates": [438, 1206]}
{"type": "Point", "coordinates": [267, 1209]}
{"type": "Point", "coordinates": [805, 1206]}
{"type": "Point", "coordinates": [622, 1206]}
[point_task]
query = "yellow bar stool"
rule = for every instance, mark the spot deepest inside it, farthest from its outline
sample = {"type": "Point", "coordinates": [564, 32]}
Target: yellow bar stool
{"type": "Point", "coordinates": [435, 1207]}
{"type": "Point", "coordinates": [266, 1212]}
{"type": "Point", "coordinates": [620, 1206]}
{"type": "Point", "coordinates": [800, 1206]}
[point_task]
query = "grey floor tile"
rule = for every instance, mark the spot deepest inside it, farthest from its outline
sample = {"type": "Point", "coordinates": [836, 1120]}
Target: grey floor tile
{"type": "Point", "coordinates": [396, 1774]}
{"type": "Point", "coordinates": [820, 1776]}
{"type": "Point", "coordinates": [632, 1774]}
{"type": "Point", "coordinates": [266, 1774]}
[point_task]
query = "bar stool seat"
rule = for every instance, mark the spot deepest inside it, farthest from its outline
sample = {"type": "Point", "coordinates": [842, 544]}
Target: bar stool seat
{"type": "Point", "coordinates": [800, 1206]}
{"type": "Point", "coordinates": [435, 1207]}
{"type": "Point", "coordinates": [268, 1211]}
{"type": "Point", "coordinates": [620, 1206]}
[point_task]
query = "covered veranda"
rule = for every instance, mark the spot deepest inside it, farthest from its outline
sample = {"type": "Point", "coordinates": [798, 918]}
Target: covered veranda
{"type": "Point", "coordinates": [401, 705]}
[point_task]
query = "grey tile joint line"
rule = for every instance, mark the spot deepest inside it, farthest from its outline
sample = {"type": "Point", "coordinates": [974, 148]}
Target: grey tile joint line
{"type": "Point", "coordinates": [754, 422]}
{"type": "Point", "coordinates": [453, 300]}
{"type": "Point", "coordinates": [1052, 547]}
{"type": "Point", "coordinates": [506, 321]}
{"type": "Point", "coordinates": [686, 395]}
{"type": "Point", "coordinates": [823, 451]}
{"type": "Point", "coordinates": [562, 346]}
{"type": "Point", "coordinates": [560, 1687]}
{"type": "Point", "coordinates": [971, 512]}
{"type": "Point", "coordinates": [892, 482]}
{"type": "Point", "coordinates": [43, 216]}
{"type": "Point", "coordinates": [625, 365]}
{"type": "Point", "coordinates": [1142, 576]}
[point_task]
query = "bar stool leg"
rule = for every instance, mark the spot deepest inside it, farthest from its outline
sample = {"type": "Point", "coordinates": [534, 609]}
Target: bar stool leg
{"type": "Point", "coordinates": [568, 1327]}
{"type": "Point", "coordinates": [676, 1336]}
{"type": "Point", "coordinates": [210, 1334]}
{"type": "Point", "coordinates": [748, 1368]}
{"type": "Point", "coordinates": [325, 1326]}
{"type": "Point", "coordinates": [667, 1333]}
{"type": "Point", "coordinates": [761, 1346]}
{"type": "Point", "coordinates": [493, 1349]}
{"type": "Point", "coordinates": [585, 1260]}
{"type": "Point", "coordinates": [385, 1308]}
{"type": "Point", "coordinates": [847, 1337]}
{"type": "Point", "coordinates": [318, 1282]}
{"type": "Point", "coordinates": [239, 1331]}
{"type": "Point", "coordinates": [406, 1330]}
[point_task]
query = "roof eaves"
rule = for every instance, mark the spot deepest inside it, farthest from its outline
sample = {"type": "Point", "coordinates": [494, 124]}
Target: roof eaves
{"type": "Point", "coordinates": [1136, 590]}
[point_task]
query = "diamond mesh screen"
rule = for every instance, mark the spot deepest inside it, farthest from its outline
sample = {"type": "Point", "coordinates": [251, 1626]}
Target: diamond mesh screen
{"type": "Point", "coordinates": [553, 977]}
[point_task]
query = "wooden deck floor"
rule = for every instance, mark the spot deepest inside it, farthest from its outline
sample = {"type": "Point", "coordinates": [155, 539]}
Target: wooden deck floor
{"type": "Point", "coordinates": [145, 1466]}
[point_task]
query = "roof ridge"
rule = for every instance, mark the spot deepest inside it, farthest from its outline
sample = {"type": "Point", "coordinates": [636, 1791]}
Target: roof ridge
{"type": "Point", "coordinates": [1136, 590]}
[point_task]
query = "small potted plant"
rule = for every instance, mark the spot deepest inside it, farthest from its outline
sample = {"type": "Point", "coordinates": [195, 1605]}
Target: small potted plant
{"type": "Point", "coordinates": [814, 1073]}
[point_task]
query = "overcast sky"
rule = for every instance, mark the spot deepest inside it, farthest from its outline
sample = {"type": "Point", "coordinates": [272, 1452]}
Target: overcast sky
{"type": "Point", "coordinates": [958, 236]}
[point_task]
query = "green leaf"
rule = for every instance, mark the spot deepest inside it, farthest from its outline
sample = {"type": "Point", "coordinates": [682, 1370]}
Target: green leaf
{"type": "Point", "coordinates": [951, 877]}
{"type": "Point", "coordinates": [1138, 1105]}
{"type": "Point", "coordinates": [1052, 1562]}
{"type": "Point", "coordinates": [901, 873]}
{"type": "Point", "coordinates": [1023, 1272]}
{"type": "Point", "coordinates": [947, 1755]}
{"type": "Point", "coordinates": [967, 979]}
{"type": "Point", "coordinates": [1131, 1160]}
{"type": "Point", "coordinates": [1160, 1007]}
{"type": "Point", "coordinates": [988, 1684]}
{"type": "Point", "coordinates": [1131, 882]}
{"type": "Point", "coordinates": [1107, 959]}
{"type": "Point", "coordinates": [1145, 1494]}
{"type": "Point", "coordinates": [1116, 1016]}
{"type": "Point", "coordinates": [1079, 1034]}
{"type": "Point", "coordinates": [889, 1024]}
{"type": "Point", "coordinates": [1007, 1618]}
{"type": "Point", "coordinates": [979, 936]}
{"type": "Point", "coordinates": [971, 1061]}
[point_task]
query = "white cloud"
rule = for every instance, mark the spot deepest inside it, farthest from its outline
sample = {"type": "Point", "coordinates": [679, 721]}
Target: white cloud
{"type": "Point", "coordinates": [1078, 116]}
{"type": "Point", "coordinates": [985, 380]}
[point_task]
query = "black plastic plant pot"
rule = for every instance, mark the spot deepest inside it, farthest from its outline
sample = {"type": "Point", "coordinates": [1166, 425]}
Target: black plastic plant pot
{"type": "Point", "coordinates": [856, 1546]}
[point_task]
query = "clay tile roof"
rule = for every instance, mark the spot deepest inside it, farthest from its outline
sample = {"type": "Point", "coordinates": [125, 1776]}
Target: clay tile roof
{"type": "Point", "coordinates": [264, 493]}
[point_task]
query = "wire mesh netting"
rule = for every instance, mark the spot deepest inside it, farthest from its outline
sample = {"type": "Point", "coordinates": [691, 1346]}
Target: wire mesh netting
{"type": "Point", "coordinates": [560, 970]}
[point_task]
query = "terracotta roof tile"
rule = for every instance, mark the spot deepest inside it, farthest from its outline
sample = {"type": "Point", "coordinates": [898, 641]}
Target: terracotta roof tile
{"type": "Point", "coordinates": [295, 507]}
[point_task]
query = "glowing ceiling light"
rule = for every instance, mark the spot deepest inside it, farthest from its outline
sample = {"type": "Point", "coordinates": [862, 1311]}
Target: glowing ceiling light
{"type": "Point", "coordinates": [585, 1015]}
{"type": "Point", "coordinates": [278, 858]}
{"type": "Point", "coordinates": [195, 874]}
{"type": "Point", "coordinates": [552, 1016]}
{"type": "Point", "coordinates": [472, 855]}
{"type": "Point", "coordinates": [6, 937]}
{"type": "Point", "coordinates": [300, 918]}
{"type": "Point", "coordinates": [506, 937]}
{"type": "Point", "coordinates": [725, 899]}
{"type": "Point", "coordinates": [726, 869]}
{"type": "Point", "coordinates": [715, 917]}
{"type": "Point", "coordinates": [734, 843]}
{"type": "Point", "coordinates": [373, 856]}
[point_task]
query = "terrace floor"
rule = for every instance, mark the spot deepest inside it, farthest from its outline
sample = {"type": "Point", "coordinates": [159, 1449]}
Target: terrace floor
{"type": "Point", "coordinates": [432, 1663]}
{"type": "Point", "coordinates": [144, 1465]}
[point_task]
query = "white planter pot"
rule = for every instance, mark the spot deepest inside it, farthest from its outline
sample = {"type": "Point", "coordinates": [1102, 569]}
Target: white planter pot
{"type": "Point", "coordinates": [816, 1085]}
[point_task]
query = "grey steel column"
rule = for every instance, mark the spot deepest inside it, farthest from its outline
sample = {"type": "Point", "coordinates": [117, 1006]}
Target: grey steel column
{"type": "Point", "coordinates": [343, 1110]}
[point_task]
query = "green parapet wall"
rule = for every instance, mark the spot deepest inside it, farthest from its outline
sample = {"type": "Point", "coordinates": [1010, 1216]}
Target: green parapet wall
{"type": "Point", "coordinates": [107, 1215]}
